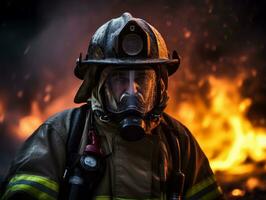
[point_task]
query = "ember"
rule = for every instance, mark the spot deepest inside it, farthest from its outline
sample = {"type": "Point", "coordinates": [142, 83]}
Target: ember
{"type": "Point", "coordinates": [2, 113]}
{"type": "Point", "coordinates": [238, 193]}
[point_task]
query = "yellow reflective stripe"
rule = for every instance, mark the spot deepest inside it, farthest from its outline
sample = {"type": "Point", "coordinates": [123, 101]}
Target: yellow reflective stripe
{"type": "Point", "coordinates": [102, 198]}
{"type": "Point", "coordinates": [38, 179]}
{"type": "Point", "coordinates": [40, 187]}
{"type": "Point", "coordinates": [29, 189]}
{"type": "Point", "coordinates": [163, 196]}
{"type": "Point", "coordinates": [200, 186]}
{"type": "Point", "coordinates": [213, 194]}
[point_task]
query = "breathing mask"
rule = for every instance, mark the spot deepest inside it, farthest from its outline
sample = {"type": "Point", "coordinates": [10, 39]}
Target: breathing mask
{"type": "Point", "coordinates": [133, 49]}
{"type": "Point", "coordinates": [130, 94]}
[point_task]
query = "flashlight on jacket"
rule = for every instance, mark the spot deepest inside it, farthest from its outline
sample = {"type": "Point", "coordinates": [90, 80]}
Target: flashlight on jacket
{"type": "Point", "coordinates": [88, 170]}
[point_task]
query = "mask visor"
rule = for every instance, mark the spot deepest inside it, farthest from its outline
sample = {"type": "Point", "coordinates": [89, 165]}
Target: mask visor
{"type": "Point", "coordinates": [130, 89]}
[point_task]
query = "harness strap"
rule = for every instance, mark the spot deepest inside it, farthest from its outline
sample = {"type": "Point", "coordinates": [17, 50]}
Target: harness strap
{"type": "Point", "coordinates": [177, 179]}
{"type": "Point", "coordinates": [78, 119]}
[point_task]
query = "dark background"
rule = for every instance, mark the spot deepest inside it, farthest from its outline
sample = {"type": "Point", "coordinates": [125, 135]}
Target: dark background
{"type": "Point", "coordinates": [40, 41]}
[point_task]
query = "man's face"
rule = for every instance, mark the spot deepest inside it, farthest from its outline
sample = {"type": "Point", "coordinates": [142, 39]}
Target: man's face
{"type": "Point", "coordinates": [130, 89]}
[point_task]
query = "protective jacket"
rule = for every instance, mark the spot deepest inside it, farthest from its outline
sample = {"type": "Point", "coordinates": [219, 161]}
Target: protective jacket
{"type": "Point", "coordinates": [134, 170]}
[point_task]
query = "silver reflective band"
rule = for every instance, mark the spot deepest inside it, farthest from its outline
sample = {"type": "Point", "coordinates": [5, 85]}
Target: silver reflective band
{"type": "Point", "coordinates": [90, 161]}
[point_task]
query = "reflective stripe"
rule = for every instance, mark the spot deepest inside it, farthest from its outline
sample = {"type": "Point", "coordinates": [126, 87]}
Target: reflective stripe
{"type": "Point", "coordinates": [212, 195]}
{"type": "Point", "coordinates": [207, 188]}
{"type": "Point", "coordinates": [163, 196]}
{"type": "Point", "coordinates": [103, 197]}
{"type": "Point", "coordinates": [30, 190]}
{"type": "Point", "coordinates": [38, 179]}
{"type": "Point", "coordinates": [37, 186]}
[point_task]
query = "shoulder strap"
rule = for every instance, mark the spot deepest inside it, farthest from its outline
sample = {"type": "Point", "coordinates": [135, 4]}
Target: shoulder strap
{"type": "Point", "coordinates": [177, 178]}
{"type": "Point", "coordinates": [78, 119]}
{"type": "Point", "coordinates": [75, 134]}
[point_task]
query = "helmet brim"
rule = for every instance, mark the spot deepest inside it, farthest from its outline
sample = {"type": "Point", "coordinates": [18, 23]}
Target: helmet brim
{"type": "Point", "coordinates": [171, 64]}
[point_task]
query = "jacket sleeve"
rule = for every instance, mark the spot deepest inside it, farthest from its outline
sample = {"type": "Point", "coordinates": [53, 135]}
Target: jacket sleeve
{"type": "Point", "coordinates": [200, 182]}
{"type": "Point", "coordinates": [38, 166]}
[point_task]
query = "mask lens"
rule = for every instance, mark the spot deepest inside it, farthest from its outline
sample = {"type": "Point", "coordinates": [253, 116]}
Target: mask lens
{"type": "Point", "coordinates": [130, 90]}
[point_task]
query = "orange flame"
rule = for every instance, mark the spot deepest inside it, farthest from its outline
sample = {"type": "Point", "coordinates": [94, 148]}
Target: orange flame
{"type": "Point", "coordinates": [29, 123]}
{"type": "Point", "coordinates": [2, 113]}
{"type": "Point", "coordinates": [225, 134]}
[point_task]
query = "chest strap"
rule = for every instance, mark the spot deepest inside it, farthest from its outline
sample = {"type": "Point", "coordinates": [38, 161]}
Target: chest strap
{"type": "Point", "coordinates": [177, 177]}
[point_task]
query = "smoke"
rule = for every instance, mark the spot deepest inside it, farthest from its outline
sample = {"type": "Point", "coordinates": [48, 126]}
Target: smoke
{"type": "Point", "coordinates": [38, 51]}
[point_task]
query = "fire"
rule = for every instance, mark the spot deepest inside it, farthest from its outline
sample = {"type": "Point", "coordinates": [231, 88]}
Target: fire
{"type": "Point", "coordinates": [2, 113]}
{"type": "Point", "coordinates": [187, 34]}
{"type": "Point", "coordinates": [221, 127]}
{"type": "Point", "coordinates": [238, 193]}
{"type": "Point", "coordinates": [253, 183]}
{"type": "Point", "coordinates": [27, 124]}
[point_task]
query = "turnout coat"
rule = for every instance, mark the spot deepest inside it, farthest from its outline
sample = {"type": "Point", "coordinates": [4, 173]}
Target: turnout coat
{"type": "Point", "coordinates": [134, 170]}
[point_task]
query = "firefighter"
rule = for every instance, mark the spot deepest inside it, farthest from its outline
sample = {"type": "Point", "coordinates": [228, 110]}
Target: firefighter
{"type": "Point", "coordinates": [119, 144]}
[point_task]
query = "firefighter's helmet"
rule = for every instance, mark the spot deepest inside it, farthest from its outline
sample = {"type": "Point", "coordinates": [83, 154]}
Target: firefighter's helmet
{"type": "Point", "coordinates": [123, 41]}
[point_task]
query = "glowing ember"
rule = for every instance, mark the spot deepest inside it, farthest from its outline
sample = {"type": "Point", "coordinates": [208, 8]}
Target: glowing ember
{"type": "Point", "coordinates": [47, 98]}
{"type": "Point", "coordinates": [48, 88]}
{"type": "Point", "coordinates": [253, 183]}
{"type": "Point", "coordinates": [20, 94]}
{"type": "Point", "coordinates": [2, 113]}
{"type": "Point", "coordinates": [223, 131]}
{"type": "Point", "coordinates": [238, 193]}
{"type": "Point", "coordinates": [187, 34]}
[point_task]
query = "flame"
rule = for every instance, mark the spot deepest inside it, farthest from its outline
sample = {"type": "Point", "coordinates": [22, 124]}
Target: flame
{"type": "Point", "coordinates": [2, 113]}
{"type": "Point", "coordinates": [27, 124]}
{"type": "Point", "coordinates": [253, 183]}
{"type": "Point", "coordinates": [238, 193]}
{"type": "Point", "coordinates": [221, 127]}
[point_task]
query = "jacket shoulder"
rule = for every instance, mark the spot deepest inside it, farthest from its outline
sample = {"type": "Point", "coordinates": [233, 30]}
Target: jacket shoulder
{"type": "Point", "coordinates": [63, 122]}
{"type": "Point", "coordinates": [187, 139]}
{"type": "Point", "coordinates": [174, 125]}
{"type": "Point", "coordinates": [195, 164]}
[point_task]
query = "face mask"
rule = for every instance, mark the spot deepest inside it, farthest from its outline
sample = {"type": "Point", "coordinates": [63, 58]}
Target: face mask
{"type": "Point", "coordinates": [130, 95]}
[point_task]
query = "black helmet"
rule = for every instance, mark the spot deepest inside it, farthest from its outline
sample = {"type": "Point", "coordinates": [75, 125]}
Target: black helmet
{"type": "Point", "coordinates": [123, 41]}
